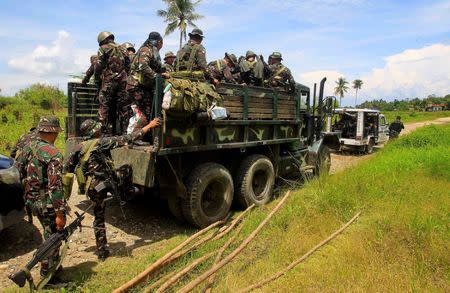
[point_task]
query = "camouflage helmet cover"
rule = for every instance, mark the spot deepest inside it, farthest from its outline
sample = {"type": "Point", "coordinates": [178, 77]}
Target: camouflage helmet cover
{"type": "Point", "coordinates": [49, 124]}
{"type": "Point", "coordinates": [90, 127]}
{"type": "Point", "coordinates": [276, 55]}
{"type": "Point", "coordinates": [232, 58]}
{"type": "Point", "coordinates": [103, 35]}
{"type": "Point", "coordinates": [169, 54]}
{"type": "Point", "coordinates": [250, 54]}
{"type": "Point", "coordinates": [196, 32]}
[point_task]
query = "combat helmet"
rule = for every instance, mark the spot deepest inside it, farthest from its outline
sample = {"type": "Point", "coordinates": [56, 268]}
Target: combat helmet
{"type": "Point", "coordinates": [103, 35]}
{"type": "Point", "coordinates": [276, 55]}
{"type": "Point", "coordinates": [128, 45]}
{"type": "Point", "coordinates": [196, 32]}
{"type": "Point", "coordinates": [49, 124]}
{"type": "Point", "coordinates": [250, 54]}
{"type": "Point", "coordinates": [169, 54]}
{"type": "Point", "coordinates": [232, 58]}
{"type": "Point", "coordinates": [89, 128]}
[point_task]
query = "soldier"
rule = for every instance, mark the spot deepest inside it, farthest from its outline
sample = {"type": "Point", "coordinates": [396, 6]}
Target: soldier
{"type": "Point", "coordinates": [396, 127]}
{"type": "Point", "coordinates": [169, 60]}
{"type": "Point", "coordinates": [280, 75]}
{"type": "Point", "coordinates": [252, 69]}
{"type": "Point", "coordinates": [192, 57]}
{"type": "Point", "coordinates": [131, 51]}
{"type": "Point", "coordinates": [18, 148]}
{"type": "Point", "coordinates": [41, 164]}
{"type": "Point", "coordinates": [145, 66]}
{"type": "Point", "coordinates": [111, 67]}
{"type": "Point", "coordinates": [90, 72]}
{"type": "Point", "coordinates": [93, 158]}
{"type": "Point", "coordinates": [225, 69]}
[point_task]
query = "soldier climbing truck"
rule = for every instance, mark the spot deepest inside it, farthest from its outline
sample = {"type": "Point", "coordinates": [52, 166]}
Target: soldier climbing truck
{"type": "Point", "coordinates": [203, 165]}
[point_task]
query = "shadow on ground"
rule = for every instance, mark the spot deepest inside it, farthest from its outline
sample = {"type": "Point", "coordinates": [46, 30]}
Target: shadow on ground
{"type": "Point", "coordinates": [13, 244]}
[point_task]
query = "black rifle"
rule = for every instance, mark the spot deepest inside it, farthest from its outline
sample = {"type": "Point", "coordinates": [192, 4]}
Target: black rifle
{"type": "Point", "coordinates": [46, 249]}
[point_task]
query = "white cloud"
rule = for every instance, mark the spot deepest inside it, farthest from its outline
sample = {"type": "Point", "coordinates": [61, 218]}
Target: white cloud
{"type": "Point", "coordinates": [309, 78]}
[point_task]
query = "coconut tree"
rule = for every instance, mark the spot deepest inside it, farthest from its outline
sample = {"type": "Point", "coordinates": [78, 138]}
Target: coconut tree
{"type": "Point", "coordinates": [357, 83]}
{"type": "Point", "coordinates": [341, 88]}
{"type": "Point", "coordinates": [178, 15]}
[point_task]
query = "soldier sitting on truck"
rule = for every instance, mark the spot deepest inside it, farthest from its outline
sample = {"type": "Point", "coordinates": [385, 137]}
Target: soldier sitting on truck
{"type": "Point", "coordinates": [92, 163]}
{"type": "Point", "coordinates": [225, 69]}
{"type": "Point", "coordinates": [280, 75]}
{"type": "Point", "coordinates": [252, 69]}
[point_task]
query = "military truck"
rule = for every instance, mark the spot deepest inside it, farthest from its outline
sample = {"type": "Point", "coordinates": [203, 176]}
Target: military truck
{"type": "Point", "coordinates": [203, 167]}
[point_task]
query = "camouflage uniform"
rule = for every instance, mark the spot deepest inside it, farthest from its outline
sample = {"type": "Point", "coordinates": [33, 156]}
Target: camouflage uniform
{"type": "Point", "coordinates": [24, 140]}
{"type": "Point", "coordinates": [252, 72]}
{"type": "Point", "coordinates": [99, 168]}
{"type": "Point", "coordinates": [41, 165]}
{"type": "Point", "coordinates": [131, 52]}
{"type": "Point", "coordinates": [166, 66]}
{"type": "Point", "coordinates": [90, 72]}
{"type": "Point", "coordinates": [111, 67]}
{"type": "Point", "coordinates": [278, 69]}
{"type": "Point", "coordinates": [222, 72]}
{"type": "Point", "coordinates": [141, 81]}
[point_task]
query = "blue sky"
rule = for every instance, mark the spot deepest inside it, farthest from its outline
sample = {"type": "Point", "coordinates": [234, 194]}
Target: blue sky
{"type": "Point", "coordinates": [400, 49]}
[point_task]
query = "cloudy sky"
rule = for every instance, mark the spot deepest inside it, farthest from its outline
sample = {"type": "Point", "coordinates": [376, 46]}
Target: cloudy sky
{"type": "Point", "coordinates": [400, 49]}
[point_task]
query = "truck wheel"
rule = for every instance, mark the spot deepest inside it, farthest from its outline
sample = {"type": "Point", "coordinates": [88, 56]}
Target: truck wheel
{"type": "Point", "coordinates": [209, 194]}
{"type": "Point", "coordinates": [369, 147]}
{"type": "Point", "coordinates": [323, 163]}
{"type": "Point", "coordinates": [174, 203]}
{"type": "Point", "coordinates": [254, 181]}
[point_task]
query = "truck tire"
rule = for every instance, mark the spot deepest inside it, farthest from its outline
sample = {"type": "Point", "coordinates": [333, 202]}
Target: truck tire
{"type": "Point", "coordinates": [323, 163]}
{"type": "Point", "coordinates": [369, 146]}
{"type": "Point", "coordinates": [174, 203]}
{"type": "Point", "coordinates": [209, 194]}
{"type": "Point", "coordinates": [254, 181]}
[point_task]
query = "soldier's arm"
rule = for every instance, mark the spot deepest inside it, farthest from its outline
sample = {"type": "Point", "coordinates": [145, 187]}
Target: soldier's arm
{"type": "Point", "coordinates": [22, 161]}
{"type": "Point", "coordinates": [55, 188]}
{"type": "Point", "coordinates": [146, 63]}
{"type": "Point", "coordinates": [72, 161]}
{"type": "Point", "coordinates": [89, 74]}
{"type": "Point", "coordinates": [100, 63]}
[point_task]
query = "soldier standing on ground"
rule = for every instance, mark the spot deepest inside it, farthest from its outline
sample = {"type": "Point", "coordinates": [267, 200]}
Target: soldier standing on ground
{"type": "Point", "coordinates": [192, 57]}
{"type": "Point", "coordinates": [41, 165]}
{"type": "Point", "coordinates": [396, 127]}
{"type": "Point", "coordinates": [169, 60]}
{"type": "Point", "coordinates": [91, 71]}
{"type": "Point", "coordinates": [280, 75]}
{"type": "Point", "coordinates": [141, 82]}
{"type": "Point", "coordinates": [111, 67]}
{"type": "Point", "coordinates": [93, 157]}
{"type": "Point", "coordinates": [226, 69]}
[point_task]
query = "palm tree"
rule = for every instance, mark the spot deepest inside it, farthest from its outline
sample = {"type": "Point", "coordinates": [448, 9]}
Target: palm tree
{"type": "Point", "coordinates": [179, 14]}
{"type": "Point", "coordinates": [357, 83]}
{"type": "Point", "coordinates": [341, 88]}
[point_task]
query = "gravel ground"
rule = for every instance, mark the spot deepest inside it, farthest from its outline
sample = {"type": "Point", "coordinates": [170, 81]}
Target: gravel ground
{"type": "Point", "coordinates": [147, 220]}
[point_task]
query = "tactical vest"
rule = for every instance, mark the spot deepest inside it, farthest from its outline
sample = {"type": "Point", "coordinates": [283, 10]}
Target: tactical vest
{"type": "Point", "coordinates": [182, 63]}
{"type": "Point", "coordinates": [86, 151]}
{"type": "Point", "coordinates": [116, 62]}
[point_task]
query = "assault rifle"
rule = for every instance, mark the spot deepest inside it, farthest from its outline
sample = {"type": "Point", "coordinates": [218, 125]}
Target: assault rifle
{"type": "Point", "coordinates": [46, 249]}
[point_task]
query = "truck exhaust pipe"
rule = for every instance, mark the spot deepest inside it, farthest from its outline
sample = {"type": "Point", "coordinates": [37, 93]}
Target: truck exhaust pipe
{"type": "Point", "coordinates": [320, 118]}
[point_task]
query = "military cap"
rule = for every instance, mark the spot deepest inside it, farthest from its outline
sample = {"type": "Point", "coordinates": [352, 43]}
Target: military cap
{"type": "Point", "coordinates": [90, 127]}
{"type": "Point", "coordinates": [154, 36]}
{"type": "Point", "coordinates": [49, 124]}
{"type": "Point", "coordinates": [196, 32]}
{"type": "Point", "coordinates": [250, 54]}
{"type": "Point", "coordinates": [103, 35]}
{"type": "Point", "coordinates": [169, 54]}
{"type": "Point", "coordinates": [232, 58]}
{"type": "Point", "coordinates": [276, 55]}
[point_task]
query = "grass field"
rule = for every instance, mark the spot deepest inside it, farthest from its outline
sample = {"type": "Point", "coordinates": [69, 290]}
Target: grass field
{"type": "Point", "coordinates": [415, 116]}
{"type": "Point", "coordinates": [400, 242]}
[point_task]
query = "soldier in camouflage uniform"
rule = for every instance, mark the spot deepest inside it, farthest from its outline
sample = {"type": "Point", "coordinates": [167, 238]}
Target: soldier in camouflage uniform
{"type": "Point", "coordinates": [192, 57]}
{"type": "Point", "coordinates": [280, 75]}
{"type": "Point", "coordinates": [252, 69]}
{"type": "Point", "coordinates": [131, 51]}
{"type": "Point", "coordinates": [41, 165]}
{"type": "Point", "coordinates": [93, 157]}
{"type": "Point", "coordinates": [90, 72]}
{"type": "Point", "coordinates": [145, 66]}
{"type": "Point", "coordinates": [226, 69]}
{"type": "Point", "coordinates": [111, 67]}
{"type": "Point", "coordinates": [18, 148]}
{"type": "Point", "coordinates": [169, 60]}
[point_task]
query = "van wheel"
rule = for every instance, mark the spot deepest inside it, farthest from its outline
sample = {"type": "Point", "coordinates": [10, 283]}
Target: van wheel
{"type": "Point", "coordinates": [369, 147]}
{"type": "Point", "coordinates": [323, 163]}
{"type": "Point", "coordinates": [254, 181]}
{"type": "Point", "coordinates": [174, 203]}
{"type": "Point", "coordinates": [209, 195]}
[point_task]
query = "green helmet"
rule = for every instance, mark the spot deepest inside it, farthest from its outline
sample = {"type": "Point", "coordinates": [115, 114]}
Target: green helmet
{"type": "Point", "coordinates": [90, 127]}
{"type": "Point", "coordinates": [276, 55]}
{"type": "Point", "coordinates": [232, 58]}
{"type": "Point", "coordinates": [128, 45]}
{"type": "Point", "coordinates": [103, 35]}
{"type": "Point", "coordinates": [196, 32]}
{"type": "Point", "coordinates": [49, 124]}
{"type": "Point", "coordinates": [250, 54]}
{"type": "Point", "coordinates": [169, 54]}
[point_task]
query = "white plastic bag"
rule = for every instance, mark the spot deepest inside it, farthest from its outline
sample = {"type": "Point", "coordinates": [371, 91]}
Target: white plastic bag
{"type": "Point", "coordinates": [167, 97]}
{"type": "Point", "coordinates": [218, 113]}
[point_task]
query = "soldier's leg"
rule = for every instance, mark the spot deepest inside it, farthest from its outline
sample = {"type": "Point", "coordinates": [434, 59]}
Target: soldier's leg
{"type": "Point", "coordinates": [104, 100]}
{"type": "Point", "coordinates": [47, 220]}
{"type": "Point", "coordinates": [123, 108]}
{"type": "Point", "coordinates": [125, 176]}
{"type": "Point", "coordinates": [98, 200]}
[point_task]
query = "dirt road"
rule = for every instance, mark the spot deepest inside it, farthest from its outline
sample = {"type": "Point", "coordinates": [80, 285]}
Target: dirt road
{"type": "Point", "coordinates": [147, 220]}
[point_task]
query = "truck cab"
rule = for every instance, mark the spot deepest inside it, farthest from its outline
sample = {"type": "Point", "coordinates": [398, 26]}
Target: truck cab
{"type": "Point", "coordinates": [359, 129]}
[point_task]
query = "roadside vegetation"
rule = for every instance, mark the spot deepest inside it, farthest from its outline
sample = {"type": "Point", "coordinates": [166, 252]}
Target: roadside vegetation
{"type": "Point", "coordinates": [415, 116]}
{"type": "Point", "coordinates": [399, 243]}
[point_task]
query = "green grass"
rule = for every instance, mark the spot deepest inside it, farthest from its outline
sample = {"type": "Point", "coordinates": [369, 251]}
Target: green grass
{"type": "Point", "coordinates": [400, 242]}
{"type": "Point", "coordinates": [415, 116]}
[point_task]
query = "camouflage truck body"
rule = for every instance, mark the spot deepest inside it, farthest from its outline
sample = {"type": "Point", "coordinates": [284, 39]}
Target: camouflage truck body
{"type": "Point", "coordinates": [269, 130]}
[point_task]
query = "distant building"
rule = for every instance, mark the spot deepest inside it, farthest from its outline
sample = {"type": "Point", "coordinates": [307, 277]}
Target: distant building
{"type": "Point", "coordinates": [435, 107]}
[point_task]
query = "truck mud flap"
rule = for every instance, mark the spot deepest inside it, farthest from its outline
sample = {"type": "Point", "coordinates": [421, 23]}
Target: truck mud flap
{"type": "Point", "coordinates": [141, 162]}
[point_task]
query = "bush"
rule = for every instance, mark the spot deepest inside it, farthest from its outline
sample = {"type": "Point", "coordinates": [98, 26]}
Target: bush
{"type": "Point", "coordinates": [45, 96]}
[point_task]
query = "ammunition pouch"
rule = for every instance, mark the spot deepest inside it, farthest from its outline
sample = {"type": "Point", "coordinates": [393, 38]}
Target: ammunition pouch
{"type": "Point", "coordinates": [67, 181]}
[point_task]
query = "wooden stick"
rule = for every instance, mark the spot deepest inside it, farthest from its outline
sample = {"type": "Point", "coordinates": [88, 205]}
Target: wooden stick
{"type": "Point", "coordinates": [219, 256]}
{"type": "Point", "coordinates": [233, 254]}
{"type": "Point", "coordinates": [157, 264]}
{"type": "Point", "coordinates": [295, 263]}
{"type": "Point", "coordinates": [183, 272]}
{"type": "Point", "coordinates": [234, 223]}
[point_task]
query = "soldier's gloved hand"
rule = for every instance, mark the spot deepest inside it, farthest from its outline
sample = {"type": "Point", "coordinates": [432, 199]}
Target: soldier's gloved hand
{"type": "Point", "coordinates": [60, 220]}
